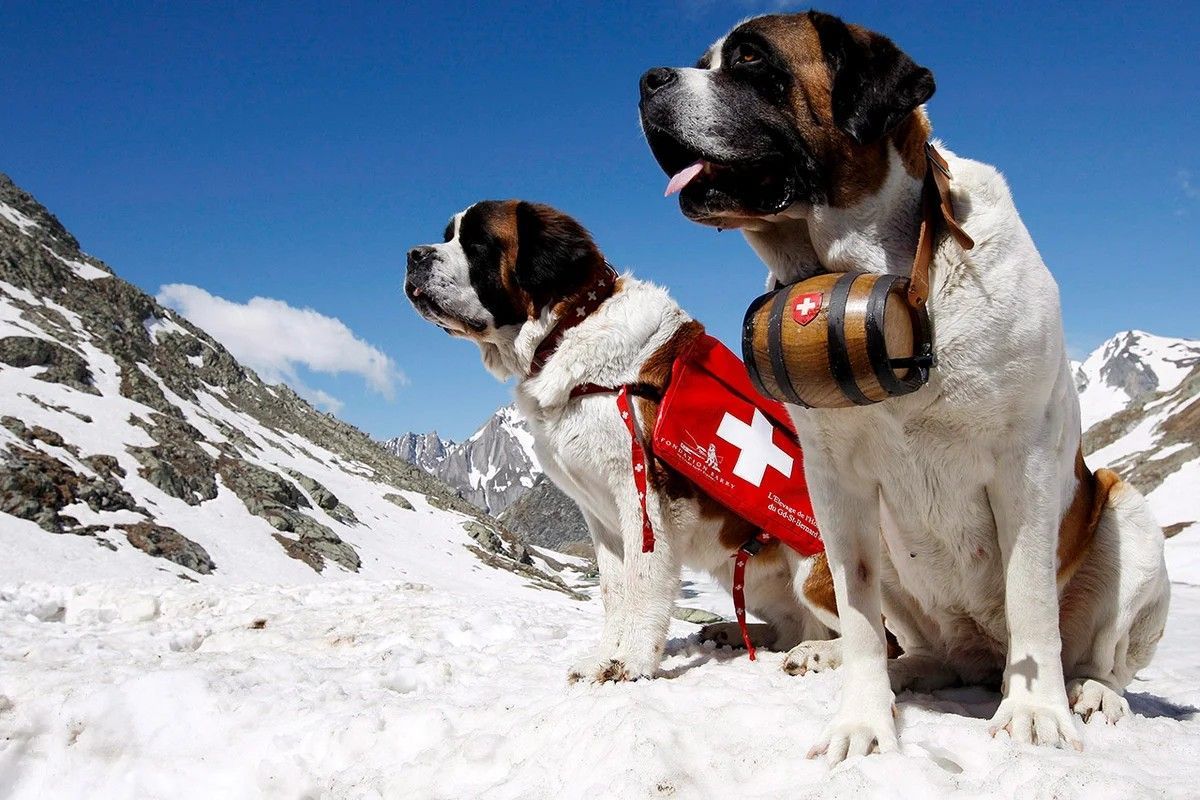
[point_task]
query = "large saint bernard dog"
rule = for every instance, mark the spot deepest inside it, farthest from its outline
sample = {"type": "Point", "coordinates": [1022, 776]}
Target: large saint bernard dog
{"type": "Point", "coordinates": [506, 277]}
{"type": "Point", "coordinates": [1002, 556]}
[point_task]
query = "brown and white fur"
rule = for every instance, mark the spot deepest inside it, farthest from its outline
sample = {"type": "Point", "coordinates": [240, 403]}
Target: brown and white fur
{"type": "Point", "coordinates": [811, 134]}
{"type": "Point", "coordinates": [502, 278]}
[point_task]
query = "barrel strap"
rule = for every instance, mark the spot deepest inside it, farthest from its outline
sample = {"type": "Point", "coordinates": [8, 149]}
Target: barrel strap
{"type": "Point", "coordinates": [839, 355]}
{"type": "Point", "coordinates": [936, 206]}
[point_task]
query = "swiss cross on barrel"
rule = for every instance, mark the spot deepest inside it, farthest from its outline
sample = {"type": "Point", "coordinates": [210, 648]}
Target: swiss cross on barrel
{"type": "Point", "coordinates": [806, 307]}
{"type": "Point", "coordinates": [736, 445]}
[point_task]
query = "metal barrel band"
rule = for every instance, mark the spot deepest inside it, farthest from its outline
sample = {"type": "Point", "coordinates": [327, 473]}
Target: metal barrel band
{"type": "Point", "coordinates": [876, 342]}
{"type": "Point", "coordinates": [839, 355]}
{"type": "Point", "coordinates": [783, 379]}
{"type": "Point", "coordinates": [748, 355]}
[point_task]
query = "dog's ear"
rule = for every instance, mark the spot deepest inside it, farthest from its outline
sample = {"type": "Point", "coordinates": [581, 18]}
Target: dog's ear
{"type": "Point", "coordinates": [555, 254]}
{"type": "Point", "coordinates": [875, 85]}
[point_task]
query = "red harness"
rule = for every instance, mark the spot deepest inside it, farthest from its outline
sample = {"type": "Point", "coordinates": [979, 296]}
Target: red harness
{"type": "Point", "coordinates": [737, 446]}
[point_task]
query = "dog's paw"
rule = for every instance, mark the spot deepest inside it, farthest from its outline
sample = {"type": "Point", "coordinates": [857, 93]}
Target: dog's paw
{"type": "Point", "coordinates": [593, 669]}
{"type": "Point", "coordinates": [600, 669]}
{"type": "Point", "coordinates": [1087, 696]}
{"type": "Point", "coordinates": [813, 657]}
{"type": "Point", "coordinates": [858, 732]}
{"type": "Point", "coordinates": [1034, 721]}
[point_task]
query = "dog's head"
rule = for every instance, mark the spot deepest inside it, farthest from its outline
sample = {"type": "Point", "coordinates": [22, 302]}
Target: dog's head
{"type": "Point", "coordinates": [784, 111]}
{"type": "Point", "coordinates": [500, 264]}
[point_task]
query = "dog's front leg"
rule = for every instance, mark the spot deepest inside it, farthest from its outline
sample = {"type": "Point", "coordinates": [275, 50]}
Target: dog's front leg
{"type": "Point", "coordinates": [849, 520]}
{"type": "Point", "coordinates": [651, 585]}
{"type": "Point", "coordinates": [600, 664]}
{"type": "Point", "coordinates": [1023, 496]}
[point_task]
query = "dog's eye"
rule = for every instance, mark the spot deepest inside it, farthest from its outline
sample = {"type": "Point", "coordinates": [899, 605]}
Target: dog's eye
{"type": "Point", "coordinates": [747, 55]}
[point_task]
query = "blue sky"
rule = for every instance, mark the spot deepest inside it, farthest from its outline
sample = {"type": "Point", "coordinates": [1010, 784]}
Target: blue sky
{"type": "Point", "coordinates": [295, 152]}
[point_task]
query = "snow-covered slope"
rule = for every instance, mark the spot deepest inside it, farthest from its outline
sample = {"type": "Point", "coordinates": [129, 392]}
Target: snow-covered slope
{"type": "Point", "coordinates": [1139, 397]}
{"type": "Point", "coordinates": [381, 689]}
{"type": "Point", "coordinates": [133, 445]}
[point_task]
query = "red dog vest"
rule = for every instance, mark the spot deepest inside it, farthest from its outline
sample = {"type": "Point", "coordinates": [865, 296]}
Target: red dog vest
{"type": "Point", "coordinates": [739, 447]}
{"type": "Point", "coordinates": [736, 445]}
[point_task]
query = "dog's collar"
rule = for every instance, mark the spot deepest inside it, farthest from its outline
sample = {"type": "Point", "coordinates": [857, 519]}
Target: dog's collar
{"type": "Point", "coordinates": [575, 310]}
{"type": "Point", "coordinates": [936, 206]}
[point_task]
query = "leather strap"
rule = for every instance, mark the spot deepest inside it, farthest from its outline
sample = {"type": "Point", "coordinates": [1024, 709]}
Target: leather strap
{"type": "Point", "coordinates": [936, 206]}
{"type": "Point", "coordinates": [575, 310]}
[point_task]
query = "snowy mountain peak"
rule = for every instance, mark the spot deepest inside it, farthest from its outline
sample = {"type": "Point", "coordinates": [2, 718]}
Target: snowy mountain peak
{"type": "Point", "coordinates": [425, 450]}
{"type": "Point", "coordinates": [1130, 366]}
{"type": "Point", "coordinates": [492, 468]}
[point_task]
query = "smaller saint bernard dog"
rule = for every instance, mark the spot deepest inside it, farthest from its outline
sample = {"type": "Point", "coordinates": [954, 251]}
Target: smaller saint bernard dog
{"type": "Point", "coordinates": [508, 276]}
{"type": "Point", "coordinates": [1003, 557]}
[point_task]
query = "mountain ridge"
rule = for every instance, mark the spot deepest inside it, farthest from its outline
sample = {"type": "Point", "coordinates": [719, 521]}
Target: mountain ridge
{"type": "Point", "coordinates": [133, 443]}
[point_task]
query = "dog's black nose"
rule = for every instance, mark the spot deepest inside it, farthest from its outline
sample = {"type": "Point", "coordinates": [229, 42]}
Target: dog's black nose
{"type": "Point", "coordinates": [656, 79]}
{"type": "Point", "coordinates": [420, 256]}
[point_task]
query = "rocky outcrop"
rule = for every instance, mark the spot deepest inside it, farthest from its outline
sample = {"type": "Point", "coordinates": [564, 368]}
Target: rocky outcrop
{"type": "Point", "coordinates": [61, 364]}
{"type": "Point", "coordinates": [545, 517]}
{"type": "Point", "coordinates": [325, 499]}
{"type": "Point", "coordinates": [176, 464]}
{"type": "Point", "coordinates": [37, 486]}
{"type": "Point", "coordinates": [168, 543]}
{"type": "Point", "coordinates": [276, 499]}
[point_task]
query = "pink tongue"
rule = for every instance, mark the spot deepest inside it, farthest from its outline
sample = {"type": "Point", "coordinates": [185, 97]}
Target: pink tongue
{"type": "Point", "coordinates": [683, 178]}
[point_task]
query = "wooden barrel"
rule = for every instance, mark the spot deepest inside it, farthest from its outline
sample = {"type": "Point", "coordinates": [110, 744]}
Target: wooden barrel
{"type": "Point", "coordinates": [837, 340]}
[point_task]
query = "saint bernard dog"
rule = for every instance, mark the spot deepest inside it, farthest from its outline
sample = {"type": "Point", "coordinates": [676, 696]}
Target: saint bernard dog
{"type": "Point", "coordinates": [1003, 558]}
{"type": "Point", "coordinates": [506, 276]}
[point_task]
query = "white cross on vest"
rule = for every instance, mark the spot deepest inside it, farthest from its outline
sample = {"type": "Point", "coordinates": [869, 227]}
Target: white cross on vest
{"type": "Point", "coordinates": [758, 449]}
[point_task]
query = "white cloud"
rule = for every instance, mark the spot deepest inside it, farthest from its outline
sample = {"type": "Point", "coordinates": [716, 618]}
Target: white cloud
{"type": "Point", "coordinates": [275, 339]}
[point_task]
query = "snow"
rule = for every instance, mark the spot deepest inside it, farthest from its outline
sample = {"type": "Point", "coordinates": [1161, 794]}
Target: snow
{"type": "Point", "coordinates": [159, 325]}
{"type": "Point", "coordinates": [11, 321]}
{"type": "Point", "coordinates": [1177, 499]}
{"type": "Point", "coordinates": [89, 272]}
{"type": "Point", "coordinates": [22, 222]}
{"type": "Point", "coordinates": [380, 689]}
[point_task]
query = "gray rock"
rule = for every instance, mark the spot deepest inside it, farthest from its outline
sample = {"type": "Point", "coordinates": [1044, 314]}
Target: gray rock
{"type": "Point", "coordinates": [61, 364]}
{"type": "Point", "coordinates": [36, 486]}
{"type": "Point", "coordinates": [399, 500]}
{"type": "Point", "coordinates": [697, 616]}
{"type": "Point", "coordinates": [163, 542]}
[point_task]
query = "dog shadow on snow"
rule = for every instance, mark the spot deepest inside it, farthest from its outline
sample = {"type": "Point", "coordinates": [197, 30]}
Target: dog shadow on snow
{"type": "Point", "coordinates": [699, 652]}
{"type": "Point", "coordinates": [979, 702]}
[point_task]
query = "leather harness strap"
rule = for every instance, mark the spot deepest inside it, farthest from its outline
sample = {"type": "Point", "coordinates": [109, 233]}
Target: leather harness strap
{"type": "Point", "coordinates": [936, 206]}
